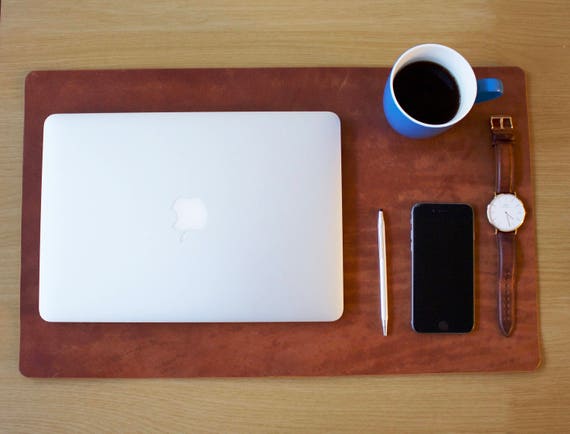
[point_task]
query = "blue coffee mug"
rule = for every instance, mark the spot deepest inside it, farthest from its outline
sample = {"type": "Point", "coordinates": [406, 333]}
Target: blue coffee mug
{"type": "Point", "coordinates": [471, 90]}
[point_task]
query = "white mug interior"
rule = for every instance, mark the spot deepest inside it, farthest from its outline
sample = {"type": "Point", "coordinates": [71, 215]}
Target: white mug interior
{"type": "Point", "coordinates": [451, 60]}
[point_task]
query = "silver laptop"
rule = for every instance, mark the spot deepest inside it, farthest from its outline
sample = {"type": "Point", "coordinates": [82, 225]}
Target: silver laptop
{"type": "Point", "coordinates": [191, 217]}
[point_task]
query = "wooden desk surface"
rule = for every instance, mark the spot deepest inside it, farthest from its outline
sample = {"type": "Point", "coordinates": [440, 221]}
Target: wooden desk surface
{"type": "Point", "coordinates": [124, 34]}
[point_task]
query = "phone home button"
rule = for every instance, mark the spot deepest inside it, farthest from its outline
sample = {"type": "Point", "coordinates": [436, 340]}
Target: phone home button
{"type": "Point", "coordinates": [443, 326]}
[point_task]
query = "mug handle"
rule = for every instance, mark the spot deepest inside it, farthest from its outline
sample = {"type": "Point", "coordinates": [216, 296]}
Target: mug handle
{"type": "Point", "coordinates": [488, 89]}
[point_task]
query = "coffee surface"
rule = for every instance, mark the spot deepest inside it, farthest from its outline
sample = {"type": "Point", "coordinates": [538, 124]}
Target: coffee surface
{"type": "Point", "coordinates": [427, 92]}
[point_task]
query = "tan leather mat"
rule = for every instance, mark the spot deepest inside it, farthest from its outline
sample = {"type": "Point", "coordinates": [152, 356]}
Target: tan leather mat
{"type": "Point", "coordinates": [380, 170]}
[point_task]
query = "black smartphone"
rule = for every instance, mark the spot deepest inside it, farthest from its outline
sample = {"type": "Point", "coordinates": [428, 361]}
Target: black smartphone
{"type": "Point", "coordinates": [442, 268]}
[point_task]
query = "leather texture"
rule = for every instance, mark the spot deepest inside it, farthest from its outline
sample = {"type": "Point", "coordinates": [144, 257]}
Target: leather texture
{"type": "Point", "coordinates": [380, 169]}
{"type": "Point", "coordinates": [504, 142]}
{"type": "Point", "coordinates": [504, 156]}
{"type": "Point", "coordinates": [506, 291]}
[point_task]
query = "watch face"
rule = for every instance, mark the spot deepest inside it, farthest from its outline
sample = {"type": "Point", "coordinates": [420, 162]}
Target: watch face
{"type": "Point", "coordinates": [506, 212]}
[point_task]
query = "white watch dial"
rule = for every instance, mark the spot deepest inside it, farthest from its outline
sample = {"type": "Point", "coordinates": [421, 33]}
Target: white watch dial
{"type": "Point", "coordinates": [506, 212]}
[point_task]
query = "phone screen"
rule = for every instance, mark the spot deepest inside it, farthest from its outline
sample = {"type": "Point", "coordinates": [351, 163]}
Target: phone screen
{"type": "Point", "coordinates": [442, 268]}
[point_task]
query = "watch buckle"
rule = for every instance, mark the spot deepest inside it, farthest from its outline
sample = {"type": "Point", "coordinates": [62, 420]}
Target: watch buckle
{"type": "Point", "coordinates": [501, 122]}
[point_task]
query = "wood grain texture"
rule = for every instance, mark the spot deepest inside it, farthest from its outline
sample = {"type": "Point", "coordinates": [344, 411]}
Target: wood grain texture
{"type": "Point", "coordinates": [121, 34]}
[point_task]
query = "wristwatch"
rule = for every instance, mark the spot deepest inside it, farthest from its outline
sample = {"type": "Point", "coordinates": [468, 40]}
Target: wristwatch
{"type": "Point", "coordinates": [506, 213]}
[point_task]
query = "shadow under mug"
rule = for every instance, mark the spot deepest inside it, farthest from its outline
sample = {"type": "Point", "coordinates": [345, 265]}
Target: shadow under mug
{"type": "Point", "coordinates": [471, 90]}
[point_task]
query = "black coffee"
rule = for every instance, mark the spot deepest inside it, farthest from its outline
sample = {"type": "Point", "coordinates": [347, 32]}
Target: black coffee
{"type": "Point", "coordinates": [427, 92]}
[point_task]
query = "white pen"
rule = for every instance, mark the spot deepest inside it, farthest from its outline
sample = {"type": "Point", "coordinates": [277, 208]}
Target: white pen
{"type": "Point", "coordinates": [382, 270]}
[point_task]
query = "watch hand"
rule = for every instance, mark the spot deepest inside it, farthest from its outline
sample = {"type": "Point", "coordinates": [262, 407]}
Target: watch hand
{"type": "Point", "coordinates": [509, 217]}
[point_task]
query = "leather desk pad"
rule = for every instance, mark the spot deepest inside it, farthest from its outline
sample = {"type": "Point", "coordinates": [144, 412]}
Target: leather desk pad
{"type": "Point", "coordinates": [380, 170]}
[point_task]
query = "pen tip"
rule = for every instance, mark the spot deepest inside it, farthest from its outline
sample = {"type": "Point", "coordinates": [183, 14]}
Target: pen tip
{"type": "Point", "coordinates": [385, 327]}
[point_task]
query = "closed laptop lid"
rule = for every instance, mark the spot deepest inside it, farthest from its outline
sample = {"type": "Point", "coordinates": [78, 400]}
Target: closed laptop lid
{"type": "Point", "coordinates": [191, 217]}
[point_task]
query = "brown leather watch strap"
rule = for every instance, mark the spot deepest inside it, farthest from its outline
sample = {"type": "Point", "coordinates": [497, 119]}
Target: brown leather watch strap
{"type": "Point", "coordinates": [506, 307]}
{"type": "Point", "coordinates": [503, 138]}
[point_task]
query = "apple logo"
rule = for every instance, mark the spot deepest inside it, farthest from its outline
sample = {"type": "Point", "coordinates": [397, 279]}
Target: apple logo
{"type": "Point", "coordinates": [191, 214]}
